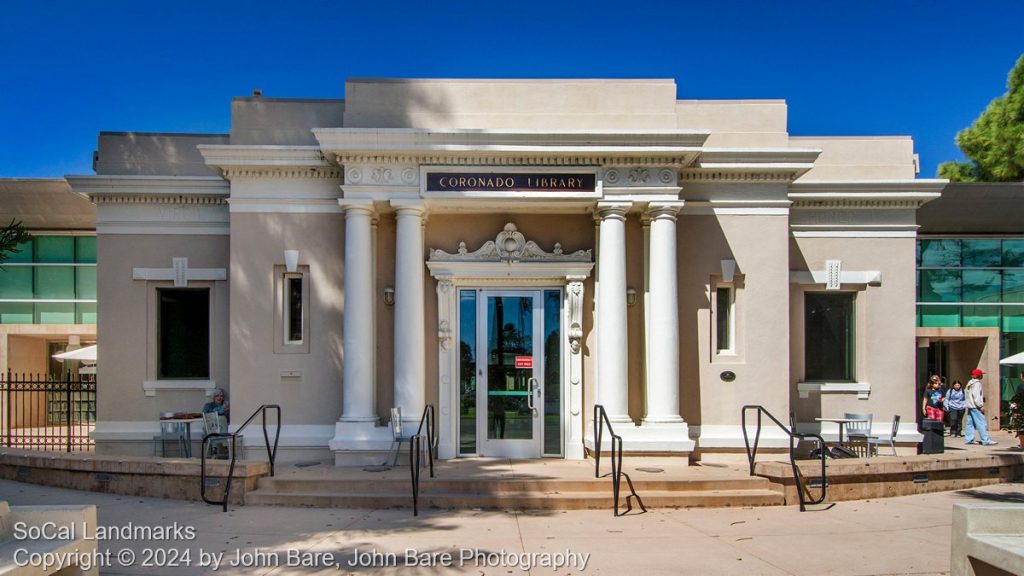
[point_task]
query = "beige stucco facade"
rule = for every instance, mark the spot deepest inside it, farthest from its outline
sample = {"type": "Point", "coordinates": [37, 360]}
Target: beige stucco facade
{"type": "Point", "coordinates": [646, 205]}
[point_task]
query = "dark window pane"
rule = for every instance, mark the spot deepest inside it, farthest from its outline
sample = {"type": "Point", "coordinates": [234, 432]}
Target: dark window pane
{"type": "Point", "coordinates": [22, 255]}
{"type": "Point", "coordinates": [16, 282]}
{"type": "Point", "coordinates": [1013, 286]}
{"type": "Point", "coordinates": [85, 282]}
{"type": "Point", "coordinates": [467, 371]}
{"type": "Point", "coordinates": [723, 306]}
{"type": "Point", "coordinates": [1013, 253]}
{"type": "Point", "coordinates": [86, 313]}
{"type": "Point", "coordinates": [184, 333]}
{"type": "Point", "coordinates": [552, 372]}
{"type": "Point", "coordinates": [982, 285]}
{"type": "Point", "coordinates": [829, 336]}
{"type": "Point", "coordinates": [15, 313]}
{"type": "Point", "coordinates": [55, 282]}
{"type": "Point", "coordinates": [940, 253]}
{"type": "Point", "coordinates": [60, 249]}
{"type": "Point", "coordinates": [1013, 319]}
{"type": "Point", "coordinates": [981, 316]}
{"type": "Point", "coordinates": [940, 286]}
{"type": "Point", "coordinates": [939, 316]}
{"type": "Point", "coordinates": [294, 309]}
{"type": "Point", "coordinates": [85, 249]}
{"type": "Point", "coordinates": [982, 253]}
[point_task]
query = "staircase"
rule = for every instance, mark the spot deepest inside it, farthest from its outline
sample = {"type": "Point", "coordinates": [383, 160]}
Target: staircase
{"type": "Point", "coordinates": [393, 491]}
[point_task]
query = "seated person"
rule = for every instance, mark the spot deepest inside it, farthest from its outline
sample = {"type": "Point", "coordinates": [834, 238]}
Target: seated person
{"type": "Point", "coordinates": [218, 405]}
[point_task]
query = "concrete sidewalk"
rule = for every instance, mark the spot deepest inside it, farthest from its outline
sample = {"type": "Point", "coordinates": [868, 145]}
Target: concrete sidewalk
{"type": "Point", "coordinates": [907, 535]}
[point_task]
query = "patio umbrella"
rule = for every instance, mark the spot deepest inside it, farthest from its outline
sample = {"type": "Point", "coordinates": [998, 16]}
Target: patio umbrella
{"type": "Point", "coordinates": [85, 354]}
{"type": "Point", "coordinates": [1015, 359]}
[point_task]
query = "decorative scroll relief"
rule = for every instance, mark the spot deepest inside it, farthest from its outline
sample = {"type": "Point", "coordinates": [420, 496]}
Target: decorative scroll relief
{"type": "Point", "coordinates": [510, 246]}
{"type": "Point", "coordinates": [382, 175]}
{"type": "Point", "coordinates": [575, 290]}
{"type": "Point", "coordinates": [640, 176]}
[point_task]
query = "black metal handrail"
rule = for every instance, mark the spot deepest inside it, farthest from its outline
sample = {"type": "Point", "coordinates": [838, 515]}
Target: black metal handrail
{"type": "Point", "coordinates": [271, 452]}
{"type": "Point", "coordinates": [416, 452]}
{"type": "Point", "coordinates": [600, 421]}
{"type": "Point", "coordinates": [752, 454]}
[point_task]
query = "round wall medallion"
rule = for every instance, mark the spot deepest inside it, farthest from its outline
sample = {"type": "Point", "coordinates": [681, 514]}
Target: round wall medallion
{"type": "Point", "coordinates": [728, 376]}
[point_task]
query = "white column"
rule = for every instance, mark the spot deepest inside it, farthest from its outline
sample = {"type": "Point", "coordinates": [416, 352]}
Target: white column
{"type": "Point", "coordinates": [358, 340]}
{"type": "Point", "coordinates": [613, 379]}
{"type": "Point", "coordinates": [663, 335]}
{"type": "Point", "coordinates": [410, 338]}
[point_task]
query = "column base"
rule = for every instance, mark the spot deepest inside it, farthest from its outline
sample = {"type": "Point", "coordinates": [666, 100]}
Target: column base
{"type": "Point", "coordinates": [360, 442]}
{"type": "Point", "coordinates": [663, 438]}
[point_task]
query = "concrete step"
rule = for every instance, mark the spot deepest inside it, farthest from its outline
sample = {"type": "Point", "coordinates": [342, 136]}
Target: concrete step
{"type": "Point", "coordinates": [501, 485]}
{"type": "Point", "coordinates": [562, 500]}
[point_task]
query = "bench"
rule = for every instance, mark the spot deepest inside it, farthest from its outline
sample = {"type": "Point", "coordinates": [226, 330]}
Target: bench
{"type": "Point", "coordinates": [987, 540]}
{"type": "Point", "coordinates": [36, 540]}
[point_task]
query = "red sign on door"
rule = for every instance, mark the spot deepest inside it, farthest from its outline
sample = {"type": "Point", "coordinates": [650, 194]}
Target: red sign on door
{"type": "Point", "coordinates": [524, 361]}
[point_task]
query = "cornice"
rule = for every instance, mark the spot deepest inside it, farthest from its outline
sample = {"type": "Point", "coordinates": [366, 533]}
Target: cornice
{"type": "Point", "coordinates": [397, 139]}
{"type": "Point", "coordinates": [170, 189]}
{"type": "Point", "coordinates": [887, 194]}
{"type": "Point", "coordinates": [536, 157]}
{"type": "Point", "coordinates": [729, 175]}
{"type": "Point", "coordinates": [145, 199]}
{"type": "Point", "coordinates": [234, 161]}
{"type": "Point", "coordinates": [858, 203]}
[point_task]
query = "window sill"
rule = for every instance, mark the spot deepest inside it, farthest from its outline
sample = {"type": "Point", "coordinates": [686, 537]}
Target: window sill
{"type": "Point", "coordinates": [861, 389]}
{"type": "Point", "coordinates": [152, 386]}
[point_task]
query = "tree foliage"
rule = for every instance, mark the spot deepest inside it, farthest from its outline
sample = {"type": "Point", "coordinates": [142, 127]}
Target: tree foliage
{"type": "Point", "coordinates": [11, 236]}
{"type": "Point", "coordinates": [994, 143]}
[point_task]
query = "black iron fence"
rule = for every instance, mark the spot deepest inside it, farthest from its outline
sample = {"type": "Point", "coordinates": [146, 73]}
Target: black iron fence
{"type": "Point", "coordinates": [41, 413]}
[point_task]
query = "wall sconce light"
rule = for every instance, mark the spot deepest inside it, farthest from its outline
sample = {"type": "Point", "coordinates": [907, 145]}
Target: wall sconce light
{"type": "Point", "coordinates": [630, 297]}
{"type": "Point", "coordinates": [291, 260]}
{"type": "Point", "coordinates": [389, 296]}
{"type": "Point", "coordinates": [728, 270]}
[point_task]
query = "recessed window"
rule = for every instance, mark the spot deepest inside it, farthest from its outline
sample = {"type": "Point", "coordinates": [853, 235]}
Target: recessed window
{"type": "Point", "coordinates": [183, 333]}
{"type": "Point", "coordinates": [829, 337]}
{"type": "Point", "coordinates": [724, 326]}
{"type": "Point", "coordinates": [293, 309]}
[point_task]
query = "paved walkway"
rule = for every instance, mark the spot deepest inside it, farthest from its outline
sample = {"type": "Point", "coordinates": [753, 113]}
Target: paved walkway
{"type": "Point", "coordinates": [908, 535]}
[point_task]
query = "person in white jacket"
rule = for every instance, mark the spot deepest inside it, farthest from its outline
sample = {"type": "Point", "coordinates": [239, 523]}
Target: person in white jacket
{"type": "Point", "coordinates": [975, 400]}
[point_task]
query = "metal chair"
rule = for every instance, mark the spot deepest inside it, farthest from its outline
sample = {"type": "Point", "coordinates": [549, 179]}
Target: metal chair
{"type": "Point", "coordinates": [874, 441]}
{"type": "Point", "coordinates": [859, 431]}
{"type": "Point", "coordinates": [172, 433]}
{"type": "Point", "coordinates": [397, 436]}
{"type": "Point", "coordinates": [215, 423]}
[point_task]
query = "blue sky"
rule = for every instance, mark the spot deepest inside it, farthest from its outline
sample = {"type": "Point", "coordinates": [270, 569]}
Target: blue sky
{"type": "Point", "coordinates": [71, 69]}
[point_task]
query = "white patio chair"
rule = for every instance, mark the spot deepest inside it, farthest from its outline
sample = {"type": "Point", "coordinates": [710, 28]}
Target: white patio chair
{"type": "Point", "coordinates": [874, 442]}
{"type": "Point", "coordinates": [858, 432]}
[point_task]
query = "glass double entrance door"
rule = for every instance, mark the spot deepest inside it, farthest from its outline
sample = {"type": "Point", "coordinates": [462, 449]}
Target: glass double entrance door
{"type": "Point", "coordinates": [511, 346]}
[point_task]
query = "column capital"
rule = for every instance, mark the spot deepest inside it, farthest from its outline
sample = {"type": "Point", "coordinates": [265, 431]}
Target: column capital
{"type": "Point", "coordinates": [416, 207]}
{"type": "Point", "coordinates": [657, 210]}
{"type": "Point", "coordinates": [357, 206]}
{"type": "Point", "coordinates": [615, 210]}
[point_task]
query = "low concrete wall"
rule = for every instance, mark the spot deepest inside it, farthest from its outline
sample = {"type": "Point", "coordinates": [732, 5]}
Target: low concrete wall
{"type": "Point", "coordinates": [884, 477]}
{"type": "Point", "coordinates": [176, 478]}
{"type": "Point", "coordinates": [986, 540]}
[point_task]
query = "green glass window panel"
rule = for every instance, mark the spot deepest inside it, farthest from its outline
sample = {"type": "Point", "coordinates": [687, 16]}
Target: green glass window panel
{"type": "Point", "coordinates": [552, 372]}
{"type": "Point", "coordinates": [829, 337]}
{"type": "Point", "coordinates": [939, 286]}
{"type": "Point", "coordinates": [1013, 253]}
{"type": "Point", "coordinates": [982, 253]}
{"type": "Point", "coordinates": [49, 313]}
{"type": "Point", "coordinates": [85, 282]}
{"type": "Point", "coordinates": [1013, 286]}
{"type": "Point", "coordinates": [981, 316]}
{"type": "Point", "coordinates": [467, 371]}
{"type": "Point", "coordinates": [85, 249]}
{"type": "Point", "coordinates": [939, 316]}
{"type": "Point", "coordinates": [940, 253]}
{"type": "Point", "coordinates": [16, 282]}
{"type": "Point", "coordinates": [183, 333]}
{"type": "Point", "coordinates": [982, 285]}
{"type": "Point", "coordinates": [23, 255]}
{"type": "Point", "coordinates": [11, 313]}
{"type": "Point", "coordinates": [86, 313]}
{"type": "Point", "coordinates": [55, 282]}
{"type": "Point", "coordinates": [59, 249]}
{"type": "Point", "coordinates": [1013, 318]}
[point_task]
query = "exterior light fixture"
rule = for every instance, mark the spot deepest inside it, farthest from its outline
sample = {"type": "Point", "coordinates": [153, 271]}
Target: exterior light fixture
{"type": "Point", "coordinates": [389, 296]}
{"type": "Point", "coordinates": [630, 297]}
{"type": "Point", "coordinates": [291, 260]}
{"type": "Point", "coordinates": [728, 270]}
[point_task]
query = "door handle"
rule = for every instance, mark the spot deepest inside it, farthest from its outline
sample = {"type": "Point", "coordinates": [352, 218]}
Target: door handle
{"type": "Point", "coordinates": [533, 385]}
